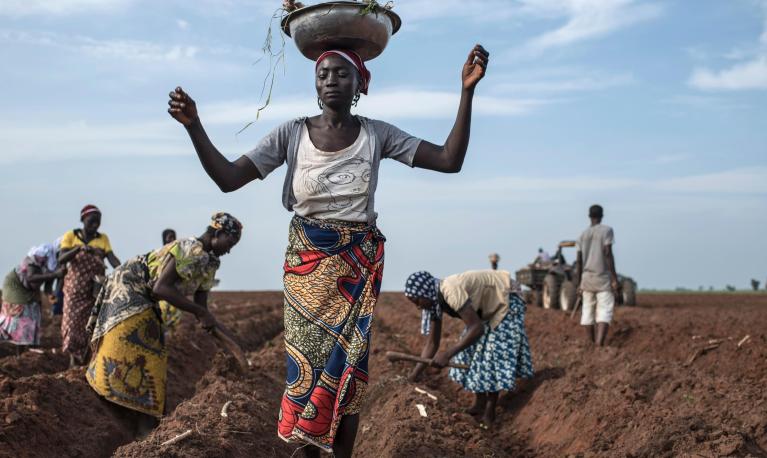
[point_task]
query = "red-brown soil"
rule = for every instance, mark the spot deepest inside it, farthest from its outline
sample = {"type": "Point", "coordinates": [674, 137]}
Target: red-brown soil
{"type": "Point", "coordinates": [636, 397]}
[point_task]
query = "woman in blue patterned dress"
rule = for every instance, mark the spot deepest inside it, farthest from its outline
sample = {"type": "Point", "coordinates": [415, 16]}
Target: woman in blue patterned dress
{"type": "Point", "coordinates": [494, 343]}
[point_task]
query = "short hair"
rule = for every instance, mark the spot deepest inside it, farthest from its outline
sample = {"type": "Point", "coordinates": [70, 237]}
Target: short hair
{"type": "Point", "coordinates": [596, 211]}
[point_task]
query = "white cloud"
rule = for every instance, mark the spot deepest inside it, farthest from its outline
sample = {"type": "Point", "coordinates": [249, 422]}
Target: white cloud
{"type": "Point", "coordinates": [586, 19]}
{"type": "Point", "coordinates": [182, 24]}
{"type": "Point", "coordinates": [55, 141]}
{"type": "Point", "coordinates": [748, 180]}
{"type": "Point", "coordinates": [748, 74]}
{"type": "Point", "coordinates": [59, 7]}
{"type": "Point", "coordinates": [575, 82]}
{"type": "Point", "coordinates": [393, 103]}
{"type": "Point", "coordinates": [671, 158]}
{"type": "Point", "coordinates": [132, 50]}
{"type": "Point", "coordinates": [743, 76]}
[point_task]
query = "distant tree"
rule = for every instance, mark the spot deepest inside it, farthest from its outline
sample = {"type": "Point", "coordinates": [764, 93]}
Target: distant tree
{"type": "Point", "coordinates": [755, 284]}
{"type": "Point", "coordinates": [729, 288]}
{"type": "Point", "coordinates": [710, 288]}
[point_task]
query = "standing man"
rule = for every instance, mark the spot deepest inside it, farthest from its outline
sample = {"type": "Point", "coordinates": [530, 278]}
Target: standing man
{"type": "Point", "coordinates": [494, 259]}
{"type": "Point", "coordinates": [597, 279]}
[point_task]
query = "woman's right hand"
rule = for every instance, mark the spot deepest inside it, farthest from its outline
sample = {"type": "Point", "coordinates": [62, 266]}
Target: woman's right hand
{"type": "Point", "coordinates": [207, 320]}
{"type": "Point", "coordinates": [182, 107]}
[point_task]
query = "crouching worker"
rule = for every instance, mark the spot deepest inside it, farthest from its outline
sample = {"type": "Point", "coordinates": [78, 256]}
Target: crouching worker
{"type": "Point", "coordinates": [494, 343]}
{"type": "Point", "coordinates": [130, 362]}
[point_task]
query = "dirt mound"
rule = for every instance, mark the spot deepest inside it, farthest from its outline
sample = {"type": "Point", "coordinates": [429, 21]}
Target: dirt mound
{"type": "Point", "coordinates": [673, 381]}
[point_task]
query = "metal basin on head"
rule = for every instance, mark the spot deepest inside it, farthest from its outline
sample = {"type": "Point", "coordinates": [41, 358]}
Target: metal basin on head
{"type": "Point", "coordinates": [341, 25]}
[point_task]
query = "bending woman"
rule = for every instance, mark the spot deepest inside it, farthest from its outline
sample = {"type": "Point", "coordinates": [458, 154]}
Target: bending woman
{"type": "Point", "coordinates": [20, 315]}
{"type": "Point", "coordinates": [130, 362]}
{"type": "Point", "coordinates": [335, 256]}
{"type": "Point", "coordinates": [494, 343]}
{"type": "Point", "coordinates": [83, 252]}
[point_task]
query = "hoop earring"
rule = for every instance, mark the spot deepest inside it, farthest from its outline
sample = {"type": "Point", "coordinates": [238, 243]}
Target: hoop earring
{"type": "Point", "coordinates": [320, 104]}
{"type": "Point", "coordinates": [356, 99]}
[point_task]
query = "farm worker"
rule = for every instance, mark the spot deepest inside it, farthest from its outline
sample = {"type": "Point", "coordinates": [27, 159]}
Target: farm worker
{"type": "Point", "coordinates": [83, 251]}
{"type": "Point", "coordinates": [596, 277]}
{"type": "Point", "coordinates": [543, 256]}
{"type": "Point", "coordinates": [494, 342]}
{"type": "Point", "coordinates": [20, 314]}
{"type": "Point", "coordinates": [170, 315]}
{"type": "Point", "coordinates": [168, 235]}
{"type": "Point", "coordinates": [335, 257]}
{"type": "Point", "coordinates": [494, 259]}
{"type": "Point", "coordinates": [130, 362]}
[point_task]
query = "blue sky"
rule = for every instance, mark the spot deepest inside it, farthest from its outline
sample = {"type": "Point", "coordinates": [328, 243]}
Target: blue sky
{"type": "Point", "coordinates": [656, 109]}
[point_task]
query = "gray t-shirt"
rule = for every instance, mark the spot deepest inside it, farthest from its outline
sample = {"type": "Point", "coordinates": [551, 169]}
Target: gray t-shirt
{"type": "Point", "coordinates": [596, 272]}
{"type": "Point", "coordinates": [281, 146]}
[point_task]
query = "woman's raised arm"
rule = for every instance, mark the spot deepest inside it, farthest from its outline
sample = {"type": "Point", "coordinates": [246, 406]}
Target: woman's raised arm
{"type": "Point", "coordinates": [449, 157]}
{"type": "Point", "coordinates": [228, 175]}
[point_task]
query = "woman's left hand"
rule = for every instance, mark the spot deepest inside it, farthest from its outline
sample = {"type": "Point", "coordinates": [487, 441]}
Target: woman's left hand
{"type": "Point", "coordinates": [475, 67]}
{"type": "Point", "coordinates": [440, 360]}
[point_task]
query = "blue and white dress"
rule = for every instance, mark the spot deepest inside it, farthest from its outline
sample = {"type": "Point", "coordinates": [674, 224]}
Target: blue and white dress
{"type": "Point", "coordinates": [499, 356]}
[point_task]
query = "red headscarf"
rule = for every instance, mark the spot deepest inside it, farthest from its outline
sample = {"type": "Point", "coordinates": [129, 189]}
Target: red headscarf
{"type": "Point", "coordinates": [355, 60]}
{"type": "Point", "coordinates": [87, 210]}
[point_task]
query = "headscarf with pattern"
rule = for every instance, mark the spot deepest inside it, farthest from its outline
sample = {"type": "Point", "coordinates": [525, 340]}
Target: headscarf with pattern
{"type": "Point", "coordinates": [87, 210]}
{"type": "Point", "coordinates": [423, 284]}
{"type": "Point", "coordinates": [354, 59]}
{"type": "Point", "coordinates": [227, 223]}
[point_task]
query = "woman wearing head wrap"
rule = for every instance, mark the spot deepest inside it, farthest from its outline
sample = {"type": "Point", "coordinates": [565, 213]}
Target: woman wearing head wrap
{"type": "Point", "coordinates": [83, 252]}
{"type": "Point", "coordinates": [130, 361]}
{"type": "Point", "coordinates": [20, 314]}
{"type": "Point", "coordinates": [494, 343]}
{"type": "Point", "coordinates": [334, 261]}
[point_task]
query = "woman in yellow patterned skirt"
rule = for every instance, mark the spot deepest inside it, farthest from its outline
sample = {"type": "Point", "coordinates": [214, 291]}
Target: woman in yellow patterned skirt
{"type": "Point", "coordinates": [129, 366]}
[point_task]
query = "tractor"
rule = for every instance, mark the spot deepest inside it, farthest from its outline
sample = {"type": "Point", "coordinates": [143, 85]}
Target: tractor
{"type": "Point", "coordinates": [552, 283]}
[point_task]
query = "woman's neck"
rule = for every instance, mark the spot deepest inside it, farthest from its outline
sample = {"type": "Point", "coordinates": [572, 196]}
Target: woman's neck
{"type": "Point", "coordinates": [336, 118]}
{"type": "Point", "coordinates": [206, 239]}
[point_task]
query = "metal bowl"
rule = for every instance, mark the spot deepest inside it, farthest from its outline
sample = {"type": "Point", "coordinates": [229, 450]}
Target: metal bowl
{"type": "Point", "coordinates": [340, 24]}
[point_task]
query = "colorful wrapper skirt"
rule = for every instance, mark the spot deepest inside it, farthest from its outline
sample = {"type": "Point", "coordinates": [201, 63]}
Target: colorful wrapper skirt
{"type": "Point", "coordinates": [499, 356]}
{"type": "Point", "coordinates": [78, 302]}
{"type": "Point", "coordinates": [130, 364]}
{"type": "Point", "coordinates": [20, 315]}
{"type": "Point", "coordinates": [332, 278]}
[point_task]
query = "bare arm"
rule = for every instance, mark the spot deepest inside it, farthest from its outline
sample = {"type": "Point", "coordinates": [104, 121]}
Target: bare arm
{"type": "Point", "coordinates": [474, 330]}
{"type": "Point", "coordinates": [228, 175]}
{"type": "Point", "coordinates": [431, 347]}
{"type": "Point", "coordinates": [67, 255]}
{"type": "Point", "coordinates": [113, 261]}
{"type": "Point", "coordinates": [611, 264]}
{"type": "Point", "coordinates": [449, 157]}
{"type": "Point", "coordinates": [165, 289]}
{"type": "Point", "coordinates": [579, 269]}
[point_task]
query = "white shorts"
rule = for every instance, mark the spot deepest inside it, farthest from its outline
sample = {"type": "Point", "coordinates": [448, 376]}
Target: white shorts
{"type": "Point", "coordinates": [603, 302]}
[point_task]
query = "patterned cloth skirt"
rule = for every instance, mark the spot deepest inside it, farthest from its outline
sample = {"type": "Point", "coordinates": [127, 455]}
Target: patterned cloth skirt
{"type": "Point", "coordinates": [499, 356]}
{"type": "Point", "coordinates": [130, 364]}
{"type": "Point", "coordinates": [19, 323]}
{"type": "Point", "coordinates": [78, 301]}
{"type": "Point", "coordinates": [332, 278]}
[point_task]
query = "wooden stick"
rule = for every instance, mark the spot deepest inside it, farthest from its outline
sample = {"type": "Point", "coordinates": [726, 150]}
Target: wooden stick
{"type": "Point", "coordinates": [577, 306]}
{"type": "Point", "coordinates": [178, 438]}
{"type": "Point", "coordinates": [232, 347]}
{"type": "Point", "coordinates": [701, 351]}
{"type": "Point", "coordinates": [397, 356]}
{"type": "Point", "coordinates": [744, 340]}
{"type": "Point", "coordinates": [223, 409]}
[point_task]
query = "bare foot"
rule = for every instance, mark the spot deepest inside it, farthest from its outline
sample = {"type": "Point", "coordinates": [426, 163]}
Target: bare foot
{"type": "Point", "coordinates": [487, 420]}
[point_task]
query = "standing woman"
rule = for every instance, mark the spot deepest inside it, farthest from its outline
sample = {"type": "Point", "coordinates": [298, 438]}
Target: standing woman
{"type": "Point", "coordinates": [83, 251]}
{"type": "Point", "coordinates": [335, 256]}
{"type": "Point", "coordinates": [494, 343]}
{"type": "Point", "coordinates": [20, 315]}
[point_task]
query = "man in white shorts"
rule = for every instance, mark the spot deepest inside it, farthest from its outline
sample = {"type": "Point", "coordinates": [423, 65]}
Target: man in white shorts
{"type": "Point", "coordinates": [597, 280]}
